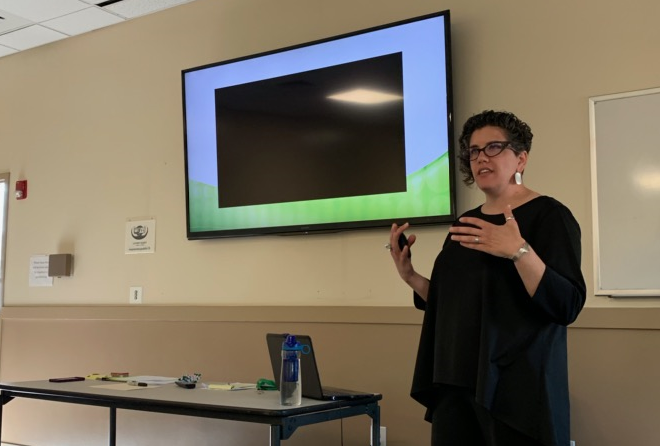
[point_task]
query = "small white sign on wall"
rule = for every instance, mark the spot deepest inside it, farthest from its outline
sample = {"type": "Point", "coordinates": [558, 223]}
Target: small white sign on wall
{"type": "Point", "coordinates": [140, 237]}
{"type": "Point", "coordinates": [39, 271]}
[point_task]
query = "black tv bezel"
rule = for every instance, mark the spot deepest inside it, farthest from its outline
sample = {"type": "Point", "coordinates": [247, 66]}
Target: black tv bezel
{"type": "Point", "coordinates": [322, 228]}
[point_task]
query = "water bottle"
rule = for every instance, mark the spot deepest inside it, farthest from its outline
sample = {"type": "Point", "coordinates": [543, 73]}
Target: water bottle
{"type": "Point", "coordinates": [290, 383]}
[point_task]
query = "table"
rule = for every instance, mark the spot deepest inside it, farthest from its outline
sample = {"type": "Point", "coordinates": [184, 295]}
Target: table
{"type": "Point", "coordinates": [242, 405]}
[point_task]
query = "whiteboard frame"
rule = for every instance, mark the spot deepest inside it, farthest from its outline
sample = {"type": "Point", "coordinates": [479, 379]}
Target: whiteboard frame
{"type": "Point", "coordinates": [598, 291]}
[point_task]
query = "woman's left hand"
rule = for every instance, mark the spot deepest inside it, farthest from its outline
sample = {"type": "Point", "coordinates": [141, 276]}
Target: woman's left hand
{"type": "Point", "coordinates": [498, 240]}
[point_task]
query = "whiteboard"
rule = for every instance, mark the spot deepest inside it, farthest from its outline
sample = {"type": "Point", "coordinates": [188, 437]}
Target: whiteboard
{"type": "Point", "coordinates": [625, 175]}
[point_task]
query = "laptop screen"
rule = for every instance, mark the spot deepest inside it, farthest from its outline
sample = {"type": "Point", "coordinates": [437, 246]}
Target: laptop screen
{"type": "Point", "coordinates": [311, 382]}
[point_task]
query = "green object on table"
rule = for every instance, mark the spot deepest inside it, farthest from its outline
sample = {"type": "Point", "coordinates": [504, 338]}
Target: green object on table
{"type": "Point", "coordinates": [266, 384]}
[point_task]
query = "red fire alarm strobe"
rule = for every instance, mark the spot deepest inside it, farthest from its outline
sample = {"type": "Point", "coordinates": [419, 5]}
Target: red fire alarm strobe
{"type": "Point", "coordinates": [21, 189]}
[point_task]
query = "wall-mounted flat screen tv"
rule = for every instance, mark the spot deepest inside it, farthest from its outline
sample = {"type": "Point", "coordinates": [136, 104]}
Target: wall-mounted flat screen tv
{"type": "Point", "coordinates": [349, 132]}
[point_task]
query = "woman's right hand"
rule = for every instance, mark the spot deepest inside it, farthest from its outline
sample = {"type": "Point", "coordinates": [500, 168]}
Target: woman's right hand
{"type": "Point", "coordinates": [400, 256]}
{"type": "Point", "coordinates": [402, 261]}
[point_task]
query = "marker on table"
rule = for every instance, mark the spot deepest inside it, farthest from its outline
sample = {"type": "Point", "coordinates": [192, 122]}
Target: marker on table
{"type": "Point", "coordinates": [137, 383]}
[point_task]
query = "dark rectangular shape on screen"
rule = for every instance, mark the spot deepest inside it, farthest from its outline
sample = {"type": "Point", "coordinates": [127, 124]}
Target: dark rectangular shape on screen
{"type": "Point", "coordinates": [284, 140]}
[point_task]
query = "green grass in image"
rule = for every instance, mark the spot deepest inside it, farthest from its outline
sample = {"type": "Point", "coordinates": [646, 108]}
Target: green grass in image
{"type": "Point", "coordinates": [427, 195]}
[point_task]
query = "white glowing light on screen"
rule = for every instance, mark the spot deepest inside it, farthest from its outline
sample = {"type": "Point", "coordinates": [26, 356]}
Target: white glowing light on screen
{"type": "Point", "coordinates": [365, 96]}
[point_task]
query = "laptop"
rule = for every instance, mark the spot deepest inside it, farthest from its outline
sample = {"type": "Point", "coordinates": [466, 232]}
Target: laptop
{"type": "Point", "coordinates": [311, 381]}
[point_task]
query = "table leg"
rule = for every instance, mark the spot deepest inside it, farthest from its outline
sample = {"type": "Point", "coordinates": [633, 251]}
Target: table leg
{"type": "Point", "coordinates": [375, 427]}
{"type": "Point", "coordinates": [113, 426]}
{"type": "Point", "coordinates": [275, 435]}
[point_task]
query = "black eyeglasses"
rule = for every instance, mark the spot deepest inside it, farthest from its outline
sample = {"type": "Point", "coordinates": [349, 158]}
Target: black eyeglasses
{"type": "Point", "coordinates": [491, 149]}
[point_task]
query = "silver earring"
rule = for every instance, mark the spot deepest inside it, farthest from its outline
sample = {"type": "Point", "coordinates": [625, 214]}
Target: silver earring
{"type": "Point", "coordinates": [518, 178]}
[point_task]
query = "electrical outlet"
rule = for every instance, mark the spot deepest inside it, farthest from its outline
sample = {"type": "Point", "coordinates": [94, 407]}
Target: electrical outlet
{"type": "Point", "coordinates": [135, 295]}
{"type": "Point", "coordinates": [383, 437]}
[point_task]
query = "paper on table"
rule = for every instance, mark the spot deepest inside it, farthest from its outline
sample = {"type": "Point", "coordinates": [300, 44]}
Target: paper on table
{"type": "Point", "coordinates": [151, 380]}
{"type": "Point", "coordinates": [232, 386]}
{"type": "Point", "coordinates": [120, 386]}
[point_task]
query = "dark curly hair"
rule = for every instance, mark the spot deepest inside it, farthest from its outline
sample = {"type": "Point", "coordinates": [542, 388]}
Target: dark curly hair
{"type": "Point", "coordinates": [518, 132]}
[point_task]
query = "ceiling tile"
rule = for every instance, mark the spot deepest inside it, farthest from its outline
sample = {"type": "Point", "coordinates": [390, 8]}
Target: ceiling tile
{"type": "Point", "coordinates": [5, 51]}
{"type": "Point", "coordinates": [135, 8]}
{"type": "Point", "coordinates": [39, 10]}
{"type": "Point", "coordinates": [25, 24]}
{"type": "Point", "coordinates": [10, 22]}
{"type": "Point", "coordinates": [30, 37]}
{"type": "Point", "coordinates": [82, 21]}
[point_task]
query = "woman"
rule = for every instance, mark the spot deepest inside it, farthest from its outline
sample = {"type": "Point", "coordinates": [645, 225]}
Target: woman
{"type": "Point", "coordinates": [492, 365]}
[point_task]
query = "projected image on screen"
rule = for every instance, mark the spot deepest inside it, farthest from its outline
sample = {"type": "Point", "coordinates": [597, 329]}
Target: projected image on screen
{"type": "Point", "coordinates": [320, 127]}
{"type": "Point", "coordinates": [348, 132]}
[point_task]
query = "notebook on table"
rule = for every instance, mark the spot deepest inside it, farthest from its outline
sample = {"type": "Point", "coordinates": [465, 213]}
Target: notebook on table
{"type": "Point", "coordinates": [311, 381]}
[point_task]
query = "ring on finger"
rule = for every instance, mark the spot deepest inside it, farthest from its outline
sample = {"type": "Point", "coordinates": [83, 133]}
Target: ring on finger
{"type": "Point", "coordinates": [476, 240]}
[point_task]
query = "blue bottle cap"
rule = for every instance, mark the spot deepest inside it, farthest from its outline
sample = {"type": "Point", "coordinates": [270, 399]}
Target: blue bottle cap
{"type": "Point", "coordinates": [290, 344]}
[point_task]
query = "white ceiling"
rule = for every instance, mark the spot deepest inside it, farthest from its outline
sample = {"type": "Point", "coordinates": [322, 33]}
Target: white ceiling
{"type": "Point", "coordinates": [25, 24]}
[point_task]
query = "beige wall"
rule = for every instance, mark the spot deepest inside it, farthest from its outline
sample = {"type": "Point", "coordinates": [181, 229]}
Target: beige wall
{"type": "Point", "coordinates": [94, 123]}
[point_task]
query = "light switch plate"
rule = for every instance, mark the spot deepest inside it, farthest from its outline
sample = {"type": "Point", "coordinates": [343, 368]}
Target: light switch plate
{"type": "Point", "coordinates": [135, 295]}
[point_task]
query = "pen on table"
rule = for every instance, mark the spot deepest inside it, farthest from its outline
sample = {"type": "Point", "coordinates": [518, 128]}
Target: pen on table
{"type": "Point", "coordinates": [137, 383]}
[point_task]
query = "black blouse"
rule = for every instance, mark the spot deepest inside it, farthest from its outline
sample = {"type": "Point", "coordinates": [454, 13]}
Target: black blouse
{"type": "Point", "coordinates": [483, 331]}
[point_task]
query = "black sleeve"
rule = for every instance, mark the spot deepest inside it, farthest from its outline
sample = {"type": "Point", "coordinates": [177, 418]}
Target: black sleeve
{"type": "Point", "coordinates": [420, 303]}
{"type": "Point", "coordinates": [556, 240]}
